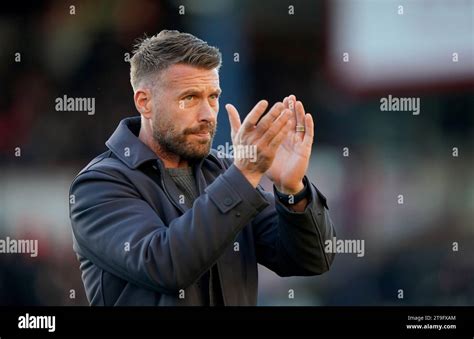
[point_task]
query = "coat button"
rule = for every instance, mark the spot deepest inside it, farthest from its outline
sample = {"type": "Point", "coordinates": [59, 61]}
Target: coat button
{"type": "Point", "coordinates": [228, 201]}
{"type": "Point", "coordinates": [237, 214]}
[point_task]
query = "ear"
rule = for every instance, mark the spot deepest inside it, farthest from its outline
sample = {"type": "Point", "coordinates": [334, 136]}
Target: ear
{"type": "Point", "coordinates": [143, 102]}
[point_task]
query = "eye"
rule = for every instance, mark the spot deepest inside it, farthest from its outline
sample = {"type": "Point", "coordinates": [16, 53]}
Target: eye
{"type": "Point", "coordinates": [189, 97]}
{"type": "Point", "coordinates": [214, 96]}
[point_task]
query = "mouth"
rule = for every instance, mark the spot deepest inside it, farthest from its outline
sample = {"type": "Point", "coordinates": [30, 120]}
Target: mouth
{"type": "Point", "coordinates": [202, 135]}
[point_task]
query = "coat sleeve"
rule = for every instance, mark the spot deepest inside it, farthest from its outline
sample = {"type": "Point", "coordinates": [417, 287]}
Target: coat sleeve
{"type": "Point", "coordinates": [119, 232]}
{"type": "Point", "coordinates": [292, 243]}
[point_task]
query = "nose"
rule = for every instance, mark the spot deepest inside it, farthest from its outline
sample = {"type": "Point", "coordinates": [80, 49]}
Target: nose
{"type": "Point", "coordinates": [207, 113]}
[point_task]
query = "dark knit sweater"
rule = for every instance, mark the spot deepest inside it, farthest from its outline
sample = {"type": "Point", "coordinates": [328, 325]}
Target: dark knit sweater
{"type": "Point", "coordinates": [208, 284]}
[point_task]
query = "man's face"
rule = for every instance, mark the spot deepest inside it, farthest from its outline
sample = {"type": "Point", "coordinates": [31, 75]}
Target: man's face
{"type": "Point", "coordinates": [185, 107]}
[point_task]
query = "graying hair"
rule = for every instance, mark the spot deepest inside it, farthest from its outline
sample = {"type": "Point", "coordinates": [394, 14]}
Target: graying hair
{"type": "Point", "coordinates": [151, 55]}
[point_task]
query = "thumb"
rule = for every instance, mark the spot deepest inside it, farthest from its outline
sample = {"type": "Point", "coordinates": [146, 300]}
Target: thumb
{"type": "Point", "coordinates": [234, 119]}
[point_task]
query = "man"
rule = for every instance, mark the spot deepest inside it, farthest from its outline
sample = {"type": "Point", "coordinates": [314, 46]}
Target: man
{"type": "Point", "coordinates": [161, 219]}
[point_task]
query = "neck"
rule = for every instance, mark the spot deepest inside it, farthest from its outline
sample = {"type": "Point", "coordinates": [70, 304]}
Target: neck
{"type": "Point", "coordinates": [169, 160]}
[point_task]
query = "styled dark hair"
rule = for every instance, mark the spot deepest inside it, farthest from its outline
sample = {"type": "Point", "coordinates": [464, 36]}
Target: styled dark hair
{"type": "Point", "coordinates": [154, 54]}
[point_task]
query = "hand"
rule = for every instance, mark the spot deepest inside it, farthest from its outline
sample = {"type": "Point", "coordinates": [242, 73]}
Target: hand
{"type": "Point", "coordinates": [292, 157]}
{"type": "Point", "coordinates": [264, 137]}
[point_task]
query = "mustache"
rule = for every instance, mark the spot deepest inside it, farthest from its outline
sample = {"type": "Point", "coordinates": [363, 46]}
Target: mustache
{"type": "Point", "coordinates": [204, 128]}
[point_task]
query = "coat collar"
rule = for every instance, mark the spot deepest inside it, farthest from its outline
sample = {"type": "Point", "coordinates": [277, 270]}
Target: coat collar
{"type": "Point", "coordinates": [124, 143]}
{"type": "Point", "coordinates": [126, 146]}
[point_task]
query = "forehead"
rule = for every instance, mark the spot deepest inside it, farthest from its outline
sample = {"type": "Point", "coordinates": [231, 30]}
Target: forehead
{"type": "Point", "coordinates": [181, 76]}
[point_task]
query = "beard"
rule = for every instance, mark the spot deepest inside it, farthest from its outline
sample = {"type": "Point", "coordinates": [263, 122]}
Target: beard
{"type": "Point", "coordinates": [181, 143]}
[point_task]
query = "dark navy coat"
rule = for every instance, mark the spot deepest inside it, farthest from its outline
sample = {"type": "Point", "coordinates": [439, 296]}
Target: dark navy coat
{"type": "Point", "coordinates": [138, 245]}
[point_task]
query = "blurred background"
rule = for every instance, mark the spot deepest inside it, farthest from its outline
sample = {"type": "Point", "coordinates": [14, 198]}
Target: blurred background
{"type": "Point", "coordinates": [339, 57]}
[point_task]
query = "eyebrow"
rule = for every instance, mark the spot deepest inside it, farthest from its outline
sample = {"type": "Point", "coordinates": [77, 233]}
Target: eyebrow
{"type": "Point", "coordinates": [193, 91]}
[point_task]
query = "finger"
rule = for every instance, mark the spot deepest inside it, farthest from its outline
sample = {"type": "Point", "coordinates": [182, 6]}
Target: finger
{"type": "Point", "coordinates": [300, 116]}
{"type": "Point", "coordinates": [270, 117]}
{"type": "Point", "coordinates": [277, 126]}
{"type": "Point", "coordinates": [309, 130]}
{"type": "Point", "coordinates": [292, 107]}
{"type": "Point", "coordinates": [234, 118]}
{"type": "Point", "coordinates": [281, 135]}
{"type": "Point", "coordinates": [257, 111]}
{"type": "Point", "coordinates": [291, 102]}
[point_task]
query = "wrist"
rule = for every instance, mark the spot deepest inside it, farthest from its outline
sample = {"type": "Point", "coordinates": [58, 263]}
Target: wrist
{"type": "Point", "coordinates": [252, 177]}
{"type": "Point", "coordinates": [294, 197]}
{"type": "Point", "coordinates": [290, 190]}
